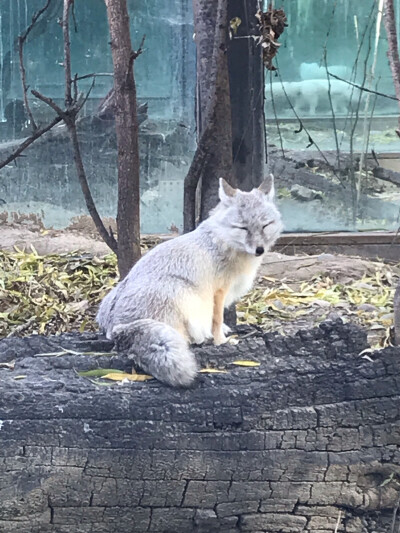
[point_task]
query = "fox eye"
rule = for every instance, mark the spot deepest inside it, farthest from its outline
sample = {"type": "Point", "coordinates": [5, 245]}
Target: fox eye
{"type": "Point", "coordinates": [268, 224]}
{"type": "Point", "coordinates": [240, 227]}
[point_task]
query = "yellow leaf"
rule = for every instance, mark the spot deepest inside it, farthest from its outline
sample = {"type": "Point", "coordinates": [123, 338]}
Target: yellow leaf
{"type": "Point", "coordinates": [120, 376]}
{"type": "Point", "coordinates": [246, 363]}
{"type": "Point", "coordinates": [100, 372]}
{"type": "Point", "coordinates": [212, 371]}
{"type": "Point", "coordinates": [20, 377]}
{"type": "Point", "coordinates": [235, 23]}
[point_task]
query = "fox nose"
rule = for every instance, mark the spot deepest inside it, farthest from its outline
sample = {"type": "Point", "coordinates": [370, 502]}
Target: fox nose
{"type": "Point", "coordinates": [259, 250]}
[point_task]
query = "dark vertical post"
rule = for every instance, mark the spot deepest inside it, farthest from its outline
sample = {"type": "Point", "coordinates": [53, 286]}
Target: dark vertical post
{"type": "Point", "coordinates": [246, 77]}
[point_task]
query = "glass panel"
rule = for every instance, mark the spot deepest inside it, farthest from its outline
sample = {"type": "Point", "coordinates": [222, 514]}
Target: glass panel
{"type": "Point", "coordinates": [44, 180]}
{"type": "Point", "coordinates": [309, 110]}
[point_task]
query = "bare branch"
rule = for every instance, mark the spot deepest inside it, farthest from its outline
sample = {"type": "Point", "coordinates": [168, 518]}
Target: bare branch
{"type": "Point", "coordinates": [50, 103]}
{"type": "Point", "coordinates": [35, 18]}
{"type": "Point", "coordinates": [81, 100]}
{"type": "Point", "coordinates": [73, 106]}
{"type": "Point", "coordinates": [136, 53]}
{"type": "Point", "coordinates": [94, 75]}
{"type": "Point", "coordinates": [200, 160]}
{"type": "Point", "coordinates": [303, 127]}
{"type": "Point", "coordinates": [67, 52]}
{"type": "Point", "coordinates": [21, 42]}
{"type": "Point", "coordinates": [361, 88]}
{"type": "Point", "coordinates": [23, 81]}
{"type": "Point", "coordinates": [108, 239]}
{"type": "Point", "coordinates": [75, 85]}
{"type": "Point", "coordinates": [393, 49]}
{"type": "Point", "coordinates": [38, 133]}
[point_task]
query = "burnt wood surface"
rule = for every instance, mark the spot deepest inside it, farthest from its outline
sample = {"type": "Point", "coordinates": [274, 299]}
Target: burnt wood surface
{"type": "Point", "coordinates": [306, 442]}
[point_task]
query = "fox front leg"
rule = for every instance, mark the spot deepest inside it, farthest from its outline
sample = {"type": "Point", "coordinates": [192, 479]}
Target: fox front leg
{"type": "Point", "coordinates": [218, 317]}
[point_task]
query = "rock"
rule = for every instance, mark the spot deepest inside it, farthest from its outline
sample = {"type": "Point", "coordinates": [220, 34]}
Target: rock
{"type": "Point", "coordinates": [367, 308]}
{"type": "Point", "coordinates": [304, 194]}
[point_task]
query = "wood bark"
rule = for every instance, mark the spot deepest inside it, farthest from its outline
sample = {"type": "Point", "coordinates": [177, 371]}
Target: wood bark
{"type": "Point", "coordinates": [126, 124]}
{"type": "Point", "coordinates": [230, 100]}
{"type": "Point", "coordinates": [306, 441]}
{"type": "Point", "coordinates": [393, 48]}
{"type": "Point", "coordinates": [213, 105]}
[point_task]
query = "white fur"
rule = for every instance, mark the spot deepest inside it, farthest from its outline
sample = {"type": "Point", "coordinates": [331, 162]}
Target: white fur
{"type": "Point", "coordinates": [167, 298]}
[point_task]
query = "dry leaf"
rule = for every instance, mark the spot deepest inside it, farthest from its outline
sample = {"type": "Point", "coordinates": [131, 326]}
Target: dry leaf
{"type": "Point", "coordinates": [99, 372]}
{"type": "Point", "coordinates": [246, 363]}
{"type": "Point", "coordinates": [212, 371]}
{"type": "Point", "coordinates": [120, 376]}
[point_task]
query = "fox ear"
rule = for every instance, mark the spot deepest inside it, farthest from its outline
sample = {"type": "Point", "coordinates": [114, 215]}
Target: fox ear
{"type": "Point", "coordinates": [267, 187]}
{"type": "Point", "coordinates": [226, 192]}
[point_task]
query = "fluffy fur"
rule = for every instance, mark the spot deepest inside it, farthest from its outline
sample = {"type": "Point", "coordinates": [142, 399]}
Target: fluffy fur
{"type": "Point", "coordinates": [176, 293]}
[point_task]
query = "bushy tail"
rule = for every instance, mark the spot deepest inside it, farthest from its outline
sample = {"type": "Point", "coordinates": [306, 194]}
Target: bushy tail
{"type": "Point", "coordinates": [158, 349]}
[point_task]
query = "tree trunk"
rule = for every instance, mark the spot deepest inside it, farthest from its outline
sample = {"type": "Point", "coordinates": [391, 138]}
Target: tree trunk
{"type": "Point", "coordinates": [393, 51]}
{"type": "Point", "coordinates": [308, 442]}
{"type": "Point", "coordinates": [246, 79]}
{"type": "Point", "coordinates": [126, 124]}
{"type": "Point", "coordinates": [213, 98]}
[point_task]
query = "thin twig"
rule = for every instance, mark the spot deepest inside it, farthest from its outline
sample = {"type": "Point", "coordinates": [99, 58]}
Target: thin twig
{"type": "Point", "coordinates": [21, 42]}
{"type": "Point", "coordinates": [50, 103]}
{"type": "Point", "coordinates": [74, 17]}
{"type": "Point", "coordinates": [24, 84]}
{"type": "Point", "coordinates": [393, 49]}
{"type": "Point", "coordinates": [338, 522]}
{"type": "Point", "coordinates": [303, 127]}
{"type": "Point", "coordinates": [395, 511]}
{"type": "Point", "coordinates": [353, 74]}
{"type": "Point", "coordinates": [27, 142]}
{"type": "Point", "coordinates": [93, 75]}
{"type": "Point", "coordinates": [81, 100]}
{"type": "Point", "coordinates": [91, 206]}
{"type": "Point", "coordinates": [67, 52]}
{"type": "Point", "coordinates": [354, 190]}
{"type": "Point", "coordinates": [75, 86]}
{"type": "Point", "coordinates": [371, 76]}
{"type": "Point", "coordinates": [361, 88]}
{"type": "Point", "coordinates": [22, 327]}
{"type": "Point", "coordinates": [332, 111]}
{"type": "Point", "coordinates": [134, 55]}
{"type": "Point", "coordinates": [275, 115]}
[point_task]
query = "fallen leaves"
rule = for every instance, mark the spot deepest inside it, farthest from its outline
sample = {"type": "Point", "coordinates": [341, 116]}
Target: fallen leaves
{"type": "Point", "coordinates": [59, 293]}
{"type": "Point", "coordinates": [51, 294]}
{"type": "Point", "coordinates": [121, 376]}
{"type": "Point", "coordinates": [246, 363]}
{"type": "Point", "coordinates": [212, 371]}
{"type": "Point", "coordinates": [113, 374]}
{"type": "Point", "coordinates": [288, 306]}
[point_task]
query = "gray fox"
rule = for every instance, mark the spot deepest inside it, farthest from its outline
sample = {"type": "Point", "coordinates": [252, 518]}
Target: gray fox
{"type": "Point", "coordinates": [176, 293]}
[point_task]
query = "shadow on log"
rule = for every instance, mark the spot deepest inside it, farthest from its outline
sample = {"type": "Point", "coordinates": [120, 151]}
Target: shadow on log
{"type": "Point", "coordinates": [306, 442]}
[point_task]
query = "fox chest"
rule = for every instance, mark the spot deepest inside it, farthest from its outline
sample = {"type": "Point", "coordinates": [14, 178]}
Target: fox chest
{"type": "Point", "coordinates": [238, 282]}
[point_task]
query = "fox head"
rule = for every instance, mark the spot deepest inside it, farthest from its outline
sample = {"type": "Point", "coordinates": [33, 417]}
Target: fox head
{"type": "Point", "coordinates": [248, 222]}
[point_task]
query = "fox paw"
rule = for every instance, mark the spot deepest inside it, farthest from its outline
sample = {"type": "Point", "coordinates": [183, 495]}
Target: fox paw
{"type": "Point", "coordinates": [220, 339]}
